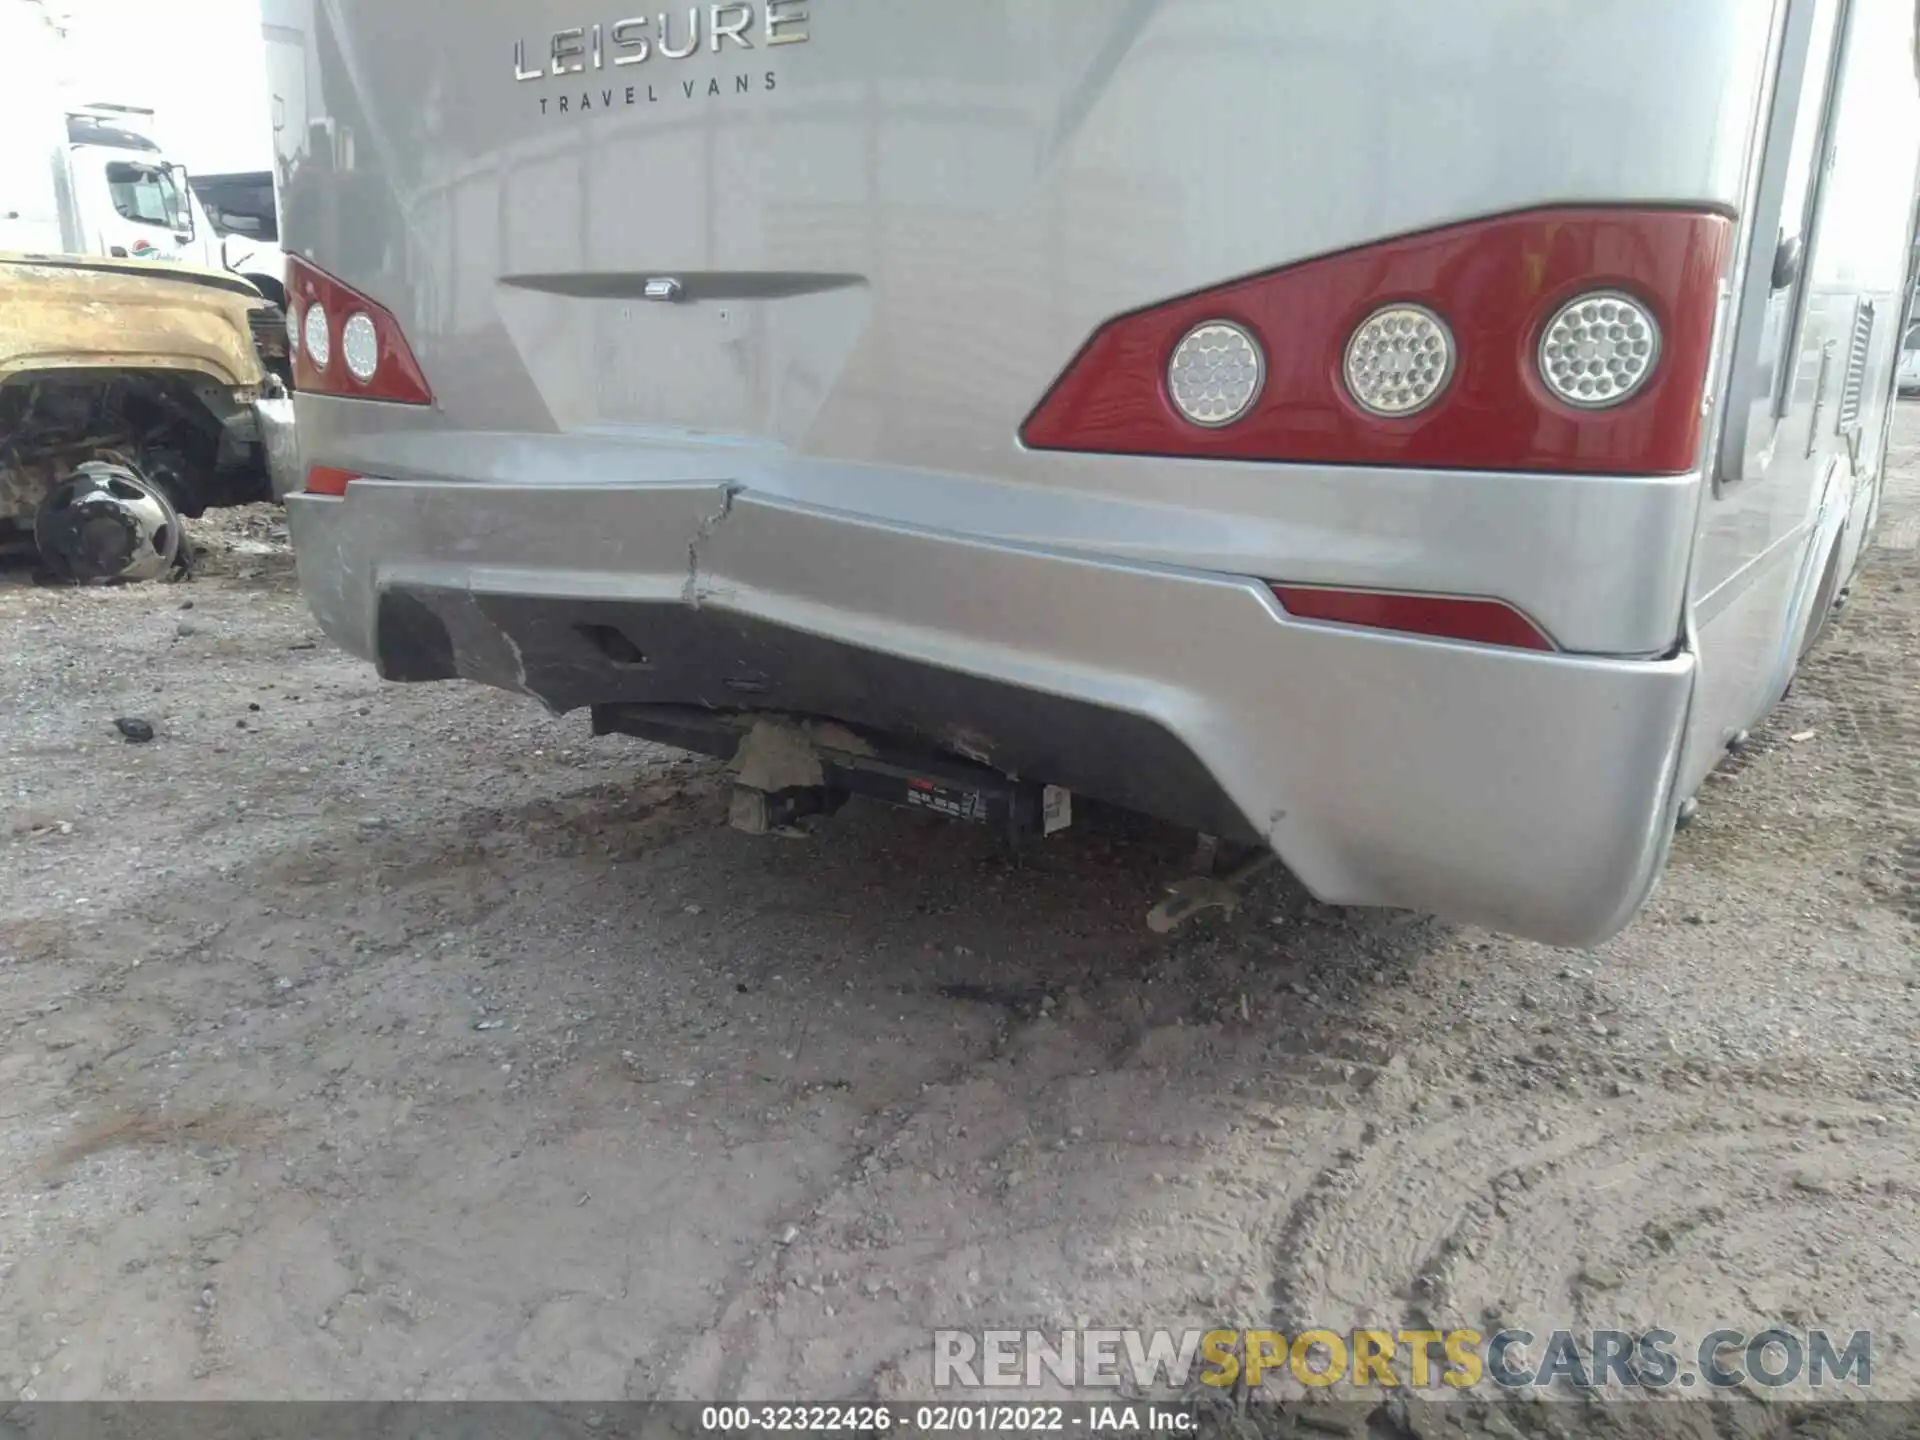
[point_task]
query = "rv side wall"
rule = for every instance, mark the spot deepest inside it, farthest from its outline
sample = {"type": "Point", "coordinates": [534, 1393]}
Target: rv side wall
{"type": "Point", "coordinates": [1783, 521]}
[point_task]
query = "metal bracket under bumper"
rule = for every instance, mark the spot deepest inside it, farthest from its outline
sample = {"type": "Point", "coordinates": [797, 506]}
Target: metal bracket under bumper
{"type": "Point", "coordinates": [826, 772]}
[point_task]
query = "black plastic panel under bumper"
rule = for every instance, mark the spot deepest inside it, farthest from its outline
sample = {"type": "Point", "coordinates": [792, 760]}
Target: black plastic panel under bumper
{"type": "Point", "coordinates": [573, 653]}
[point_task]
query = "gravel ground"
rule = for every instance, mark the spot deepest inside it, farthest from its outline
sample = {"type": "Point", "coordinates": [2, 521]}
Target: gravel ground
{"type": "Point", "coordinates": [371, 1041]}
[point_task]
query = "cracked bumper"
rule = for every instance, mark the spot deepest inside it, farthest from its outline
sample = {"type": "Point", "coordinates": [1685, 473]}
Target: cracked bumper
{"type": "Point", "coordinates": [278, 433]}
{"type": "Point", "coordinates": [1526, 792]}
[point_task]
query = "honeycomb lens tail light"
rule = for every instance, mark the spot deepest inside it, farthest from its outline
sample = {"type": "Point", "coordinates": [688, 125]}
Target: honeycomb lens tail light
{"type": "Point", "coordinates": [360, 347]}
{"type": "Point", "coordinates": [1598, 350]}
{"type": "Point", "coordinates": [1398, 360]}
{"type": "Point", "coordinates": [349, 346]}
{"type": "Point", "coordinates": [1215, 373]}
{"type": "Point", "coordinates": [1570, 339]}
{"type": "Point", "coordinates": [317, 335]}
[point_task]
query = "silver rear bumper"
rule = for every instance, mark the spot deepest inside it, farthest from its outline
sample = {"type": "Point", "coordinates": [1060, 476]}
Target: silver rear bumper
{"type": "Point", "coordinates": [1529, 793]}
{"type": "Point", "coordinates": [278, 435]}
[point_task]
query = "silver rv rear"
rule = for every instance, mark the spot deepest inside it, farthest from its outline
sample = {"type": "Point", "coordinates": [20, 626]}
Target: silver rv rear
{"type": "Point", "coordinates": [1414, 435]}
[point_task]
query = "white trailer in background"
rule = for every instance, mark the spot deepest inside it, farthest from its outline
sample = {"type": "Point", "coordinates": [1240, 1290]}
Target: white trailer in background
{"type": "Point", "coordinates": [85, 178]}
{"type": "Point", "coordinates": [245, 216]}
{"type": "Point", "coordinates": [36, 205]}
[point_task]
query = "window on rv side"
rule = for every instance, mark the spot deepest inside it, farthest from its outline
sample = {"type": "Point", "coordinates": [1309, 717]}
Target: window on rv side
{"type": "Point", "coordinates": [147, 195]}
{"type": "Point", "coordinates": [1801, 192]}
{"type": "Point", "coordinates": [1796, 201]}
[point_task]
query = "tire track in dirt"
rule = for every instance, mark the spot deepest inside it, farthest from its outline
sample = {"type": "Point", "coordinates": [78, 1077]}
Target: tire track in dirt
{"type": "Point", "coordinates": [1196, 1129]}
{"type": "Point", "coordinates": [1682, 1217]}
{"type": "Point", "coordinates": [716, 1360]}
{"type": "Point", "coordinates": [1674, 1203]}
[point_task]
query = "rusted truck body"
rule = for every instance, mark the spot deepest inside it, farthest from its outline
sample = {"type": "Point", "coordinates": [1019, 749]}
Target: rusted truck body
{"type": "Point", "coordinates": [160, 373]}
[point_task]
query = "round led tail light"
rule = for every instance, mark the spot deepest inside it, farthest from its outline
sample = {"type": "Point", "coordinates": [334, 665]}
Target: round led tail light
{"type": "Point", "coordinates": [319, 339]}
{"type": "Point", "coordinates": [292, 318]}
{"type": "Point", "coordinates": [1216, 373]}
{"type": "Point", "coordinates": [360, 346]}
{"type": "Point", "coordinates": [1599, 349]}
{"type": "Point", "coordinates": [1398, 360]}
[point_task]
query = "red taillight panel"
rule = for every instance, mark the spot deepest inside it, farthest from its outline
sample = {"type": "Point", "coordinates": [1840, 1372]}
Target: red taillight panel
{"type": "Point", "coordinates": [326, 480]}
{"type": "Point", "coordinates": [1495, 282]}
{"type": "Point", "coordinates": [396, 375]}
{"type": "Point", "coordinates": [1448, 617]}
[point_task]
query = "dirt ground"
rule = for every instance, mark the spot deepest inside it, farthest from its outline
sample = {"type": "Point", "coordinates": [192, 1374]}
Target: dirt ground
{"type": "Point", "coordinates": [385, 1041]}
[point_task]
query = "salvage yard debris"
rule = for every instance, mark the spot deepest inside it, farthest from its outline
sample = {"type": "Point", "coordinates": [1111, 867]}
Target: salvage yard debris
{"type": "Point", "coordinates": [130, 396]}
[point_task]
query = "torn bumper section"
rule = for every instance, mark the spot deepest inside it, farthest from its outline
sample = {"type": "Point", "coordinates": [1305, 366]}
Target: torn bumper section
{"type": "Point", "coordinates": [273, 419]}
{"type": "Point", "coordinates": [1523, 791]}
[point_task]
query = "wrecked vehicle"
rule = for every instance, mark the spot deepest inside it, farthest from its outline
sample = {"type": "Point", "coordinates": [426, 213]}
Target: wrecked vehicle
{"type": "Point", "coordinates": [1142, 400]}
{"type": "Point", "coordinates": [129, 396]}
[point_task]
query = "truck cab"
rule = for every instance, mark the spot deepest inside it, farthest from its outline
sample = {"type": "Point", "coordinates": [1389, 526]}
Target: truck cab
{"type": "Point", "coordinates": [130, 201]}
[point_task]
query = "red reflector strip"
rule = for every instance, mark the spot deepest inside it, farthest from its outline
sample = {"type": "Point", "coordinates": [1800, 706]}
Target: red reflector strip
{"type": "Point", "coordinates": [1482, 622]}
{"type": "Point", "coordinates": [325, 480]}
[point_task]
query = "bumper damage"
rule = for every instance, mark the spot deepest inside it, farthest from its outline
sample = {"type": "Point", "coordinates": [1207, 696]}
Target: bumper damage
{"type": "Point", "coordinates": [1529, 793]}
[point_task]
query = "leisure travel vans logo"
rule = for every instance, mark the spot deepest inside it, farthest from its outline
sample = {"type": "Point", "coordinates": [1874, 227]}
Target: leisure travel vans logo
{"type": "Point", "coordinates": [574, 66]}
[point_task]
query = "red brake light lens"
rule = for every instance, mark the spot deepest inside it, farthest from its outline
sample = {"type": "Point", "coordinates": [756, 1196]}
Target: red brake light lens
{"type": "Point", "coordinates": [1496, 286]}
{"type": "Point", "coordinates": [349, 346]}
{"type": "Point", "coordinates": [1447, 617]}
{"type": "Point", "coordinates": [326, 480]}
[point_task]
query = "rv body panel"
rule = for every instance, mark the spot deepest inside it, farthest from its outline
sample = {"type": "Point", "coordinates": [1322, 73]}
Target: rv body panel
{"type": "Point", "coordinates": [1783, 526]}
{"type": "Point", "coordinates": [747, 309]}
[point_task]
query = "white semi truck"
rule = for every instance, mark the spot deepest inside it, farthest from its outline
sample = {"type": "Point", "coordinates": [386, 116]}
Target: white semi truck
{"type": "Point", "coordinates": [85, 178]}
{"type": "Point", "coordinates": [131, 393]}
